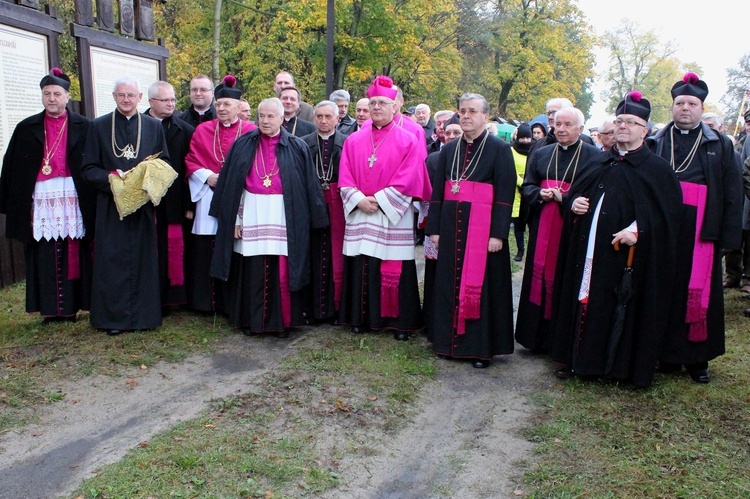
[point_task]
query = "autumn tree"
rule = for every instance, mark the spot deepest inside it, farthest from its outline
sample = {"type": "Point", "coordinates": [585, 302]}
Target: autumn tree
{"type": "Point", "coordinates": [520, 53]}
{"type": "Point", "coordinates": [640, 60]}
{"type": "Point", "coordinates": [738, 86]}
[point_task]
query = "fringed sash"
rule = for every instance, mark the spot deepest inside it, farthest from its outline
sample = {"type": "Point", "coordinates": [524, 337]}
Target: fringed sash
{"type": "Point", "coordinates": [480, 195]}
{"type": "Point", "coordinates": [546, 250]}
{"type": "Point", "coordinates": [338, 224]}
{"type": "Point", "coordinates": [175, 255]}
{"type": "Point", "coordinates": [699, 288]}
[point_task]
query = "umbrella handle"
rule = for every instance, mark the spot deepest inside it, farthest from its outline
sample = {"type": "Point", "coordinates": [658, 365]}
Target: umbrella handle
{"type": "Point", "coordinates": [631, 252]}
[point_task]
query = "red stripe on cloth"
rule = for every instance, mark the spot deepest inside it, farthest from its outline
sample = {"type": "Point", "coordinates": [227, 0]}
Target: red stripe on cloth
{"type": "Point", "coordinates": [546, 250]}
{"type": "Point", "coordinates": [699, 287]}
{"type": "Point", "coordinates": [175, 252]}
{"type": "Point", "coordinates": [74, 259]}
{"type": "Point", "coordinates": [480, 196]}
{"type": "Point", "coordinates": [338, 224]}
{"type": "Point", "coordinates": [286, 299]}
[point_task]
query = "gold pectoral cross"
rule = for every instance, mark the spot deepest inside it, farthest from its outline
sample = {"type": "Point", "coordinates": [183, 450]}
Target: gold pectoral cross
{"type": "Point", "coordinates": [46, 169]}
{"type": "Point", "coordinates": [267, 181]}
{"type": "Point", "coordinates": [372, 159]}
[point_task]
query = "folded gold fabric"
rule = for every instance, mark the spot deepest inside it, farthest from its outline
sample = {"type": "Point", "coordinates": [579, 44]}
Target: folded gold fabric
{"type": "Point", "coordinates": [148, 181]}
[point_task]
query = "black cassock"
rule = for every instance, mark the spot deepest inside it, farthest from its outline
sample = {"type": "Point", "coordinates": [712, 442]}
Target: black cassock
{"type": "Point", "coordinates": [492, 333]}
{"type": "Point", "coordinates": [532, 329]}
{"type": "Point", "coordinates": [638, 187]}
{"type": "Point", "coordinates": [126, 292]}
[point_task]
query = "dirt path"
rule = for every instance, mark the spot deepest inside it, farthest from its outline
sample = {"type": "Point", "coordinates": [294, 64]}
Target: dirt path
{"type": "Point", "coordinates": [464, 441]}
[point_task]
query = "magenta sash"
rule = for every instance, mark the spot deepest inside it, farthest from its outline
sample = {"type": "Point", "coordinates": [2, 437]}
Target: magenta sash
{"type": "Point", "coordinates": [390, 275]}
{"type": "Point", "coordinates": [545, 252]}
{"type": "Point", "coordinates": [175, 255]}
{"type": "Point", "coordinates": [74, 259]}
{"type": "Point", "coordinates": [480, 195]}
{"type": "Point", "coordinates": [286, 298]}
{"type": "Point", "coordinates": [699, 288]}
{"type": "Point", "coordinates": [338, 224]}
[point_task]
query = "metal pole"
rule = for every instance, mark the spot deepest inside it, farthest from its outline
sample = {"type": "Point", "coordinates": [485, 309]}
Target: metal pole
{"type": "Point", "coordinates": [330, 26]}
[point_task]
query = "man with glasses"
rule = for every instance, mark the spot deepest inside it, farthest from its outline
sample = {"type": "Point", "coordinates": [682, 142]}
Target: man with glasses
{"type": "Point", "coordinates": [125, 293]}
{"type": "Point", "coordinates": [625, 201]}
{"type": "Point", "coordinates": [175, 212]}
{"type": "Point", "coordinates": [382, 171]}
{"type": "Point", "coordinates": [201, 101]}
{"type": "Point", "coordinates": [607, 133]}
{"type": "Point", "coordinates": [704, 164]}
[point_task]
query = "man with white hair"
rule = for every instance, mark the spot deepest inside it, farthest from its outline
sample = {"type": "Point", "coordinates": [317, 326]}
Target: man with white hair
{"type": "Point", "coordinates": [267, 200]}
{"type": "Point", "coordinates": [422, 116]}
{"type": "Point", "coordinates": [125, 293]}
{"type": "Point", "coordinates": [346, 124]}
{"type": "Point", "coordinates": [713, 121]}
{"type": "Point", "coordinates": [327, 270]}
{"type": "Point", "coordinates": [607, 133]}
{"type": "Point", "coordinates": [361, 112]}
{"type": "Point", "coordinates": [440, 118]}
{"type": "Point", "coordinates": [549, 174]}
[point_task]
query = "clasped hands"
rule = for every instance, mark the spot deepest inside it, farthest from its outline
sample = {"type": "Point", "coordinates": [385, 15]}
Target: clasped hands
{"type": "Point", "coordinates": [551, 194]}
{"type": "Point", "coordinates": [368, 205]}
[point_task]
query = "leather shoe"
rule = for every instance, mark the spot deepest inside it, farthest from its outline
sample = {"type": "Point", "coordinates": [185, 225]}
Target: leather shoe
{"type": "Point", "coordinates": [282, 334]}
{"type": "Point", "coordinates": [360, 329]}
{"type": "Point", "coordinates": [699, 375]}
{"type": "Point", "coordinates": [564, 373]}
{"type": "Point", "coordinates": [401, 335]}
{"type": "Point", "coordinates": [480, 364]}
{"type": "Point", "coordinates": [114, 332]}
{"type": "Point", "coordinates": [518, 257]}
{"type": "Point", "coordinates": [731, 283]}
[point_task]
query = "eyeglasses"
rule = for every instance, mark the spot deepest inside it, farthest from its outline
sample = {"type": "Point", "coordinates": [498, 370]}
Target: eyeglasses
{"type": "Point", "coordinates": [129, 96]}
{"type": "Point", "coordinates": [611, 132]}
{"type": "Point", "coordinates": [630, 122]}
{"type": "Point", "coordinates": [201, 90]}
{"type": "Point", "coordinates": [172, 100]}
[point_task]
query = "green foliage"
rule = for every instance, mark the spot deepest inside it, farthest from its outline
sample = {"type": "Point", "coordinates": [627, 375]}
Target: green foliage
{"type": "Point", "coordinates": [738, 82]}
{"type": "Point", "coordinates": [641, 61]}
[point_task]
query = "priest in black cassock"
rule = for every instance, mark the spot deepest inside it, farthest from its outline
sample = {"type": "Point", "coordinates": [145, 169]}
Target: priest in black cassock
{"type": "Point", "coordinates": [704, 164]}
{"type": "Point", "coordinates": [47, 204]}
{"type": "Point", "coordinates": [549, 172]}
{"type": "Point", "coordinates": [175, 212]}
{"type": "Point", "coordinates": [625, 199]}
{"type": "Point", "coordinates": [469, 221]}
{"type": "Point", "coordinates": [125, 292]}
{"type": "Point", "coordinates": [327, 257]}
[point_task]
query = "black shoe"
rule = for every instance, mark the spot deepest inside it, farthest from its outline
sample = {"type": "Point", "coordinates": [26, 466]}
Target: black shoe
{"type": "Point", "coordinates": [360, 329]}
{"type": "Point", "coordinates": [699, 375]}
{"type": "Point", "coordinates": [746, 313]}
{"type": "Point", "coordinates": [114, 332]}
{"type": "Point", "coordinates": [401, 335]}
{"type": "Point", "coordinates": [480, 364]}
{"type": "Point", "coordinates": [564, 373]}
{"type": "Point", "coordinates": [518, 257]}
{"type": "Point", "coordinates": [282, 334]}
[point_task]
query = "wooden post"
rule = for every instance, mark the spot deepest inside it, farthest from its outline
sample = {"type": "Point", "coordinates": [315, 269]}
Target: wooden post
{"type": "Point", "coordinates": [105, 15]}
{"type": "Point", "coordinates": [144, 20]}
{"type": "Point", "coordinates": [84, 13]}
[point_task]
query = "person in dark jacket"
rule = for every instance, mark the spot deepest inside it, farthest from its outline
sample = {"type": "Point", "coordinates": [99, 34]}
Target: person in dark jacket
{"type": "Point", "coordinates": [201, 102]}
{"type": "Point", "coordinates": [267, 200]}
{"type": "Point", "coordinates": [48, 206]}
{"type": "Point", "coordinates": [175, 212]}
{"type": "Point", "coordinates": [711, 220]}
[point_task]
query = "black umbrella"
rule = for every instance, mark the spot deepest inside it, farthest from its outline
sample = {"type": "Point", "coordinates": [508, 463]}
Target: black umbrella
{"type": "Point", "coordinates": [624, 292]}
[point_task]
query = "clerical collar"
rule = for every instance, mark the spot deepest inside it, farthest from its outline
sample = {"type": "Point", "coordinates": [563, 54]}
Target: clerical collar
{"type": "Point", "coordinates": [326, 137]}
{"type": "Point", "coordinates": [621, 153]}
{"type": "Point", "coordinates": [565, 148]}
{"type": "Point", "coordinates": [384, 126]}
{"type": "Point", "coordinates": [471, 141]}
{"type": "Point", "coordinates": [271, 136]}
{"type": "Point", "coordinates": [49, 116]}
{"type": "Point", "coordinates": [201, 112]}
{"type": "Point", "coordinates": [685, 132]}
{"type": "Point", "coordinates": [289, 119]}
{"type": "Point", "coordinates": [230, 124]}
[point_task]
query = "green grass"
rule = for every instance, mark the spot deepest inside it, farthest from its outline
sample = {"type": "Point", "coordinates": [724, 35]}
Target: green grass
{"type": "Point", "coordinates": [676, 439]}
{"type": "Point", "coordinates": [34, 358]}
{"type": "Point", "coordinates": [334, 396]}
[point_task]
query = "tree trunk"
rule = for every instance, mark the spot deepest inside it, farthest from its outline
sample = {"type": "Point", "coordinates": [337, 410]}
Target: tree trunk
{"type": "Point", "coordinates": [217, 41]}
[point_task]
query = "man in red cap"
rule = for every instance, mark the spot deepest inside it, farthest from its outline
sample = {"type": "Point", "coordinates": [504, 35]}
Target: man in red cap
{"type": "Point", "coordinates": [381, 173]}
{"type": "Point", "coordinates": [209, 148]}
{"type": "Point", "coordinates": [704, 164]}
{"type": "Point", "coordinates": [47, 205]}
{"type": "Point", "coordinates": [627, 198]}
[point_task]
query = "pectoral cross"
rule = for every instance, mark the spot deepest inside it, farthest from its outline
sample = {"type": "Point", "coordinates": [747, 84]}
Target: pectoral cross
{"type": "Point", "coordinates": [267, 181]}
{"type": "Point", "coordinates": [456, 187]}
{"type": "Point", "coordinates": [326, 186]}
{"type": "Point", "coordinates": [372, 159]}
{"type": "Point", "coordinates": [129, 152]}
{"type": "Point", "coordinates": [46, 169]}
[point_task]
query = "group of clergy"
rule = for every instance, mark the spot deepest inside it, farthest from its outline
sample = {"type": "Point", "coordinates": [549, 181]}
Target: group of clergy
{"type": "Point", "coordinates": [283, 222]}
